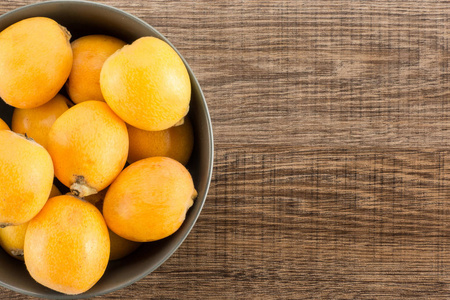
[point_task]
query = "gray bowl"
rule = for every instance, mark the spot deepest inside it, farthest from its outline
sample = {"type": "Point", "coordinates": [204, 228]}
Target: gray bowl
{"type": "Point", "coordinates": [83, 18]}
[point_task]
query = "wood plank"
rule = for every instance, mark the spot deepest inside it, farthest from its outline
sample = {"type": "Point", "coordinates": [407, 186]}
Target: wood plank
{"type": "Point", "coordinates": [327, 224]}
{"type": "Point", "coordinates": [331, 123]}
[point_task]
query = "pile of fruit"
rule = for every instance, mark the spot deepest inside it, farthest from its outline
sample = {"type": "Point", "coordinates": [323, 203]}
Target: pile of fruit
{"type": "Point", "coordinates": [82, 110]}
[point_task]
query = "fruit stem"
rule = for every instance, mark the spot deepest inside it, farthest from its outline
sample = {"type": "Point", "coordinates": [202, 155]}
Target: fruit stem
{"type": "Point", "coordinates": [179, 123]}
{"type": "Point", "coordinates": [17, 252]}
{"type": "Point", "coordinates": [68, 35]}
{"type": "Point", "coordinates": [25, 136]}
{"type": "Point", "coordinates": [81, 189]}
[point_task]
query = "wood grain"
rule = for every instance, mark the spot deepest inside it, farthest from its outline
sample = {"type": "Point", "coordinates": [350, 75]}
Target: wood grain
{"type": "Point", "coordinates": [331, 123]}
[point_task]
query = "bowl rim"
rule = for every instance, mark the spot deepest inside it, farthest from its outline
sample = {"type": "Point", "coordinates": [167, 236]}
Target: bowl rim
{"type": "Point", "coordinates": [210, 159]}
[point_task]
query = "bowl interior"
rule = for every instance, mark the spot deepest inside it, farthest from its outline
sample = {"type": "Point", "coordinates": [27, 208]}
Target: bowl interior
{"type": "Point", "coordinates": [83, 18]}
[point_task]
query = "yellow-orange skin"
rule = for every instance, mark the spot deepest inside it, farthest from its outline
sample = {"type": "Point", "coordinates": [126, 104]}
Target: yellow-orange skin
{"type": "Point", "coordinates": [88, 140]}
{"type": "Point", "coordinates": [26, 178]}
{"type": "Point", "coordinates": [97, 199]}
{"type": "Point", "coordinates": [3, 125]}
{"type": "Point", "coordinates": [36, 122]}
{"type": "Point", "coordinates": [12, 238]}
{"type": "Point", "coordinates": [67, 245]}
{"type": "Point", "coordinates": [148, 201]}
{"type": "Point", "coordinates": [176, 142]}
{"type": "Point", "coordinates": [120, 247]}
{"type": "Point", "coordinates": [89, 54]}
{"type": "Point", "coordinates": [54, 192]}
{"type": "Point", "coordinates": [35, 61]}
{"type": "Point", "coordinates": [147, 84]}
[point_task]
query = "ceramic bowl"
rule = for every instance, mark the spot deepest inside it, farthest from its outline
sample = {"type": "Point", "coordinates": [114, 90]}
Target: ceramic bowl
{"type": "Point", "coordinates": [83, 18]}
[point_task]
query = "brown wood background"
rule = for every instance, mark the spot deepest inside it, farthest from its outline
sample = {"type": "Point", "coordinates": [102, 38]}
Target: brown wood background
{"type": "Point", "coordinates": [332, 163]}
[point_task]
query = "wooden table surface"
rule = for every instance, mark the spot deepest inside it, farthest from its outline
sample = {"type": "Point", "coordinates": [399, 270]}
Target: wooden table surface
{"type": "Point", "coordinates": [332, 166]}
